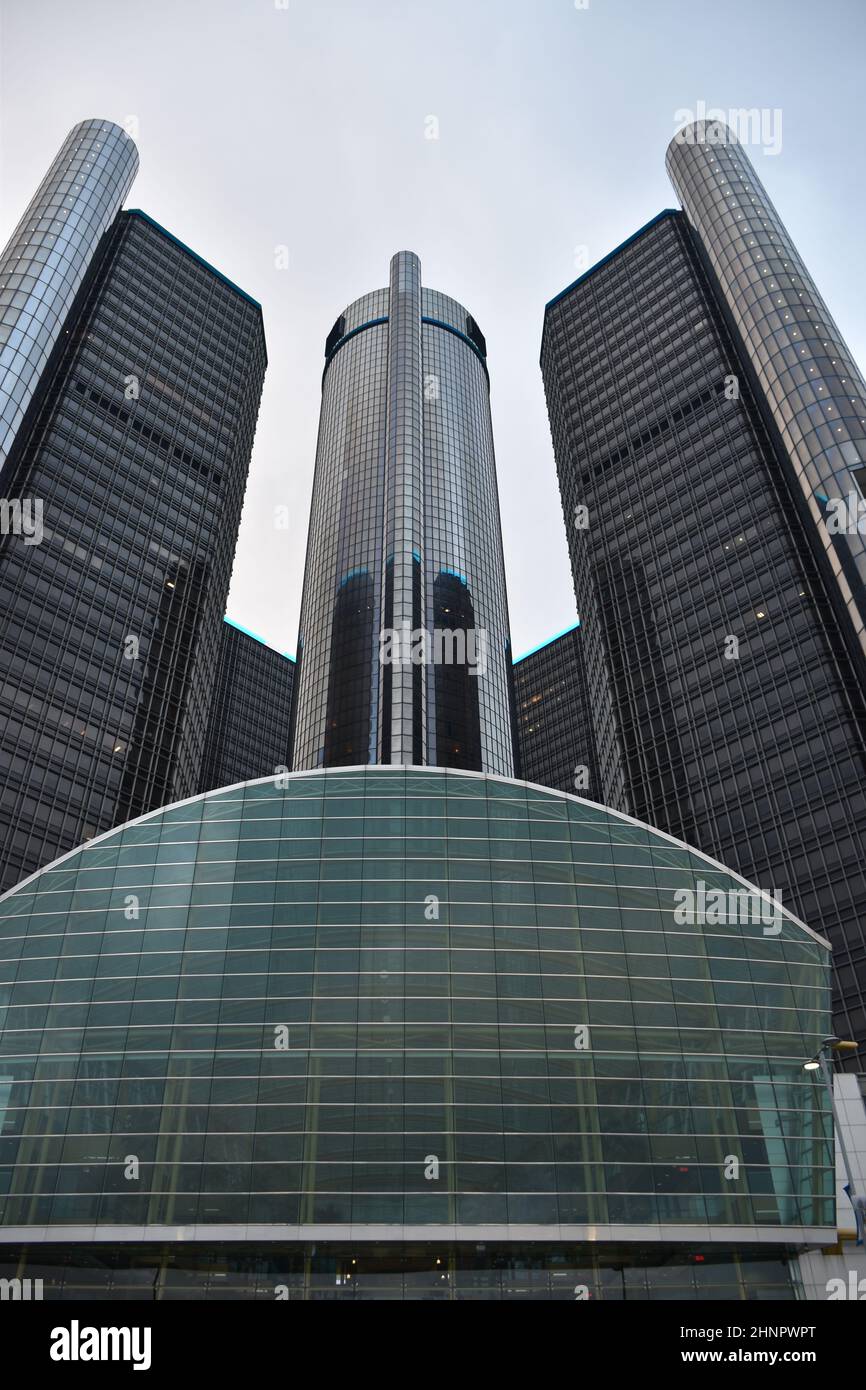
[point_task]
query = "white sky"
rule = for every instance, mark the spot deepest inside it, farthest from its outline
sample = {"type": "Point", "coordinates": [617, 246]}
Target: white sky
{"type": "Point", "coordinates": [304, 126]}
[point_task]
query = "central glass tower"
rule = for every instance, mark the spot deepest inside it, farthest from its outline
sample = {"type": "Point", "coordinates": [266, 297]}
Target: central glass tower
{"type": "Point", "coordinates": [404, 650]}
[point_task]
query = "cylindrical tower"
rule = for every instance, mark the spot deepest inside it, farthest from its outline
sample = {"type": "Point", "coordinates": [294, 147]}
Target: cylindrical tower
{"type": "Point", "coordinates": [47, 256]}
{"type": "Point", "coordinates": [810, 384]}
{"type": "Point", "coordinates": [404, 649]}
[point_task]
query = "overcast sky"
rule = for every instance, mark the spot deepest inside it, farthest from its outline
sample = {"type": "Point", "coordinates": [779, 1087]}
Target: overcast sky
{"type": "Point", "coordinates": [262, 124]}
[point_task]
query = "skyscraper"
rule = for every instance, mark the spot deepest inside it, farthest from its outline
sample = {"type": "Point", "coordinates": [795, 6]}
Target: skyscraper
{"type": "Point", "coordinates": [134, 451]}
{"type": "Point", "coordinates": [49, 254]}
{"type": "Point", "coordinates": [723, 690]}
{"type": "Point", "coordinates": [411, 1031]}
{"type": "Point", "coordinates": [249, 725]}
{"type": "Point", "coordinates": [807, 381]}
{"type": "Point", "coordinates": [404, 652]}
{"type": "Point", "coordinates": [555, 745]}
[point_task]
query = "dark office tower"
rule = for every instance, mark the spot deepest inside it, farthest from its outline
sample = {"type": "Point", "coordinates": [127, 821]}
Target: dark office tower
{"type": "Point", "coordinates": [249, 727]}
{"type": "Point", "coordinates": [137, 445]}
{"type": "Point", "coordinates": [805, 377]}
{"type": "Point", "coordinates": [723, 698]}
{"type": "Point", "coordinates": [555, 742]}
{"type": "Point", "coordinates": [403, 653]}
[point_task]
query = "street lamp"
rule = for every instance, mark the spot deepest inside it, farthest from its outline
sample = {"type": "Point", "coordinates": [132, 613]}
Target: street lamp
{"type": "Point", "coordinates": [819, 1063]}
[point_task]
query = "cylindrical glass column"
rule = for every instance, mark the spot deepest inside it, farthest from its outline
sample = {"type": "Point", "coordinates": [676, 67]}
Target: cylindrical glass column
{"type": "Point", "coordinates": [47, 256]}
{"type": "Point", "coordinates": [404, 649]}
{"type": "Point", "coordinates": [809, 380]}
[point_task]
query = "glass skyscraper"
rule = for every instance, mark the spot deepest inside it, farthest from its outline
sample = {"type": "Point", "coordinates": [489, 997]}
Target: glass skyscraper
{"type": "Point", "coordinates": [723, 683]}
{"type": "Point", "coordinates": [249, 726]}
{"type": "Point", "coordinates": [404, 541]}
{"type": "Point", "coordinates": [395, 1024]}
{"type": "Point", "coordinates": [807, 380]}
{"type": "Point", "coordinates": [135, 449]}
{"type": "Point", "coordinates": [555, 744]}
{"type": "Point", "coordinates": [49, 253]}
{"type": "Point", "coordinates": [381, 1032]}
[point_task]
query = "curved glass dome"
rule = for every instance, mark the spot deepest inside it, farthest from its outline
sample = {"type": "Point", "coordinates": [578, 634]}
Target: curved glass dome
{"type": "Point", "coordinates": [412, 1004]}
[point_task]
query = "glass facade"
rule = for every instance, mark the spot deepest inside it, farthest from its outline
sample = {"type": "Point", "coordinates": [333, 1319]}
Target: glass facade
{"type": "Point", "coordinates": [138, 448]}
{"type": "Point", "coordinates": [45, 260]}
{"type": "Point", "coordinates": [378, 1011]}
{"type": "Point", "coordinates": [404, 538]}
{"type": "Point", "coordinates": [724, 703]}
{"type": "Point", "coordinates": [349, 1271]}
{"type": "Point", "coordinates": [555, 743]}
{"type": "Point", "coordinates": [249, 727]}
{"type": "Point", "coordinates": [806, 376]}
